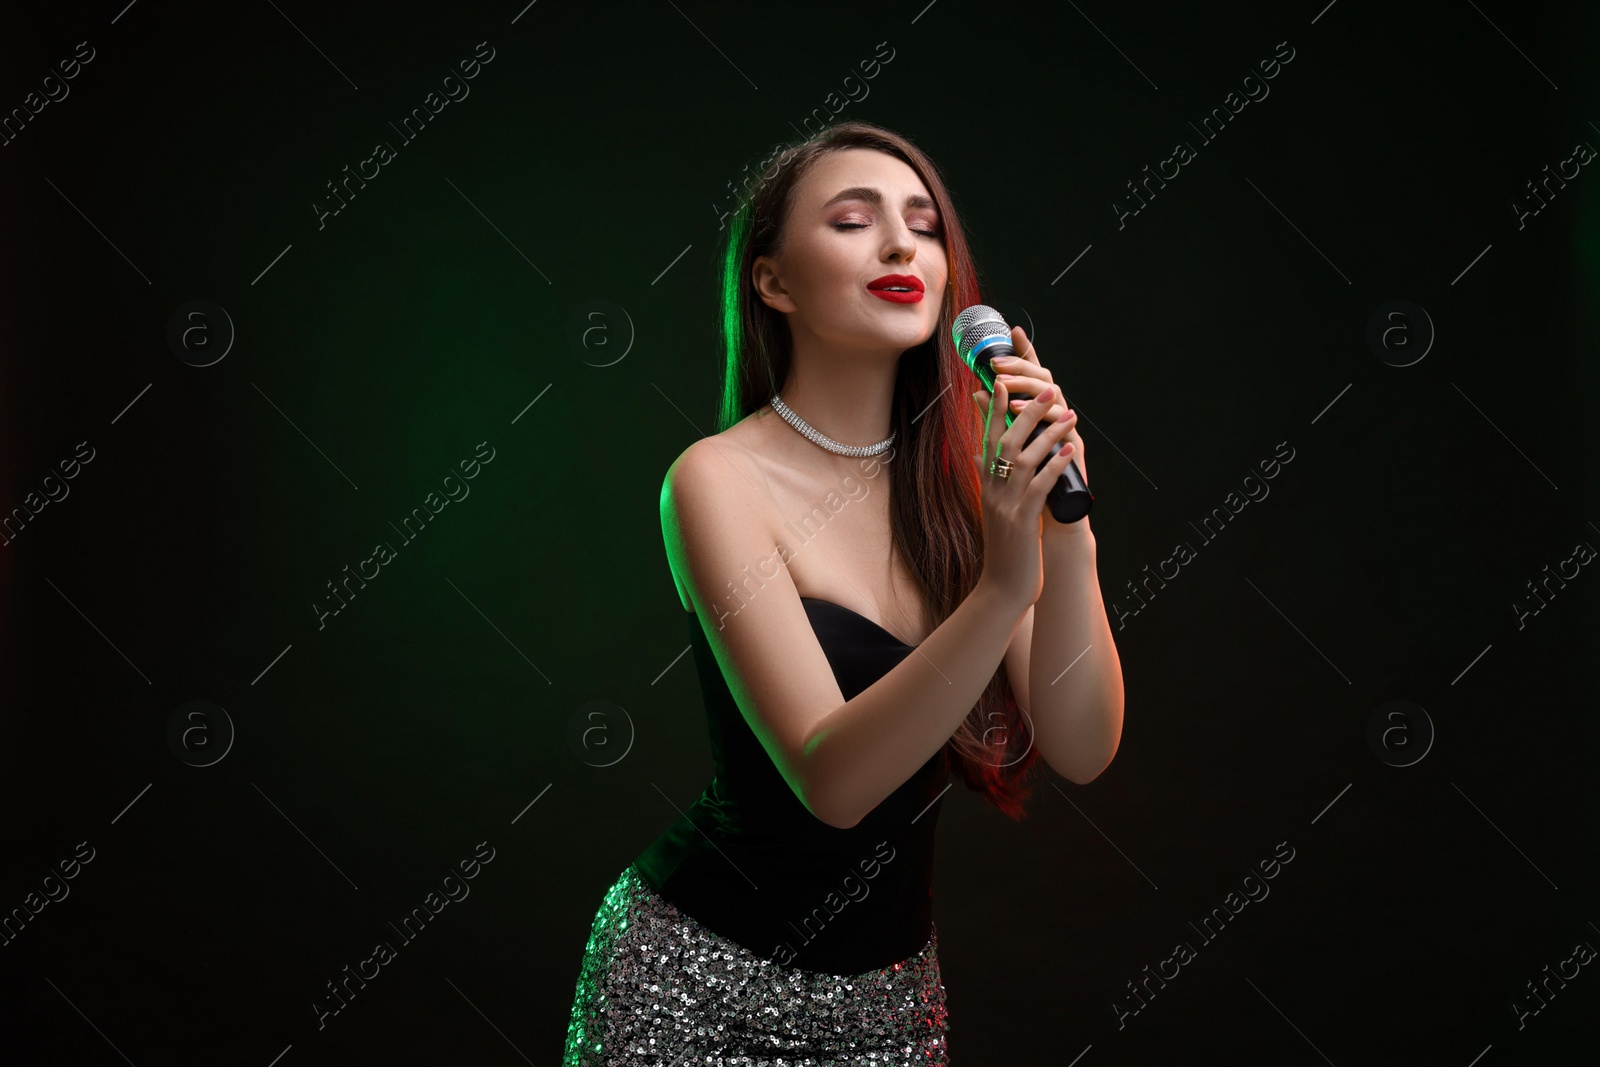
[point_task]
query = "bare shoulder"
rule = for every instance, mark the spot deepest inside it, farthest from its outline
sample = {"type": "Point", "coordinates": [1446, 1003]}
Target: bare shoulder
{"type": "Point", "coordinates": [717, 522]}
{"type": "Point", "coordinates": [713, 497]}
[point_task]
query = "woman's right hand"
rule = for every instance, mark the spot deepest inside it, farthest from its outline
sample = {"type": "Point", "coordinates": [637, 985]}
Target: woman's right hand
{"type": "Point", "coordinates": [1013, 508]}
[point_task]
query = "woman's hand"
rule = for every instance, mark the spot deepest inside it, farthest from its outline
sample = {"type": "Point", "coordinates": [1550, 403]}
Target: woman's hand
{"type": "Point", "coordinates": [1023, 376]}
{"type": "Point", "coordinates": [1013, 508]}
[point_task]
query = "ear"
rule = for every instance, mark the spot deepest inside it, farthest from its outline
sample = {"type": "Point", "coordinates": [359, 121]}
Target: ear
{"type": "Point", "coordinates": [764, 274]}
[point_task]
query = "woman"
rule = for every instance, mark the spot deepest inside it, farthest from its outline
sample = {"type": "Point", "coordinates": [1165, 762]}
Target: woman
{"type": "Point", "coordinates": [787, 915]}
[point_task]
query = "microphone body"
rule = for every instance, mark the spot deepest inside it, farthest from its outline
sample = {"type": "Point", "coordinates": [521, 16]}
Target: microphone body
{"type": "Point", "coordinates": [981, 334]}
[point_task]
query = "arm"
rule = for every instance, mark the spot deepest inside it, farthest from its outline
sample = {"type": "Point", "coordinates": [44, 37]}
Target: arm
{"type": "Point", "coordinates": [841, 758]}
{"type": "Point", "coordinates": [1077, 716]}
{"type": "Point", "coordinates": [862, 751]}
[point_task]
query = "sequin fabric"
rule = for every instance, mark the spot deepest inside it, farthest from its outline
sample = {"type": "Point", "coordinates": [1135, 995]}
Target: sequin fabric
{"type": "Point", "coordinates": [658, 989]}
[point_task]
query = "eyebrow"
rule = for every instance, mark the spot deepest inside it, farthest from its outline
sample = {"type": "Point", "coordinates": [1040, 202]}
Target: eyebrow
{"type": "Point", "coordinates": [875, 198]}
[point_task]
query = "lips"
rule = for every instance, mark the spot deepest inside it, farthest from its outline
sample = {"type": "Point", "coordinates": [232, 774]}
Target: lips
{"type": "Point", "coordinates": [897, 288]}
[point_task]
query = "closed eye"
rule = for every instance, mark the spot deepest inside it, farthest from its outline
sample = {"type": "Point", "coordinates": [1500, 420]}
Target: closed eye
{"type": "Point", "coordinates": [862, 226]}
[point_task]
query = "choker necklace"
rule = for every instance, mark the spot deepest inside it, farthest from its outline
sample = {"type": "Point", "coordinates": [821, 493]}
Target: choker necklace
{"type": "Point", "coordinates": [829, 443]}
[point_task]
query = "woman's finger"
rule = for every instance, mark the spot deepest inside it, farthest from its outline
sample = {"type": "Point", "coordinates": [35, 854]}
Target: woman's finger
{"type": "Point", "coordinates": [1022, 345]}
{"type": "Point", "coordinates": [1055, 414]}
{"type": "Point", "coordinates": [1011, 441]}
{"type": "Point", "coordinates": [1039, 448]}
{"type": "Point", "coordinates": [1023, 371]}
{"type": "Point", "coordinates": [1025, 379]}
{"type": "Point", "coordinates": [995, 427]}
{"type": "Point", "coordinates": [1045, 480]}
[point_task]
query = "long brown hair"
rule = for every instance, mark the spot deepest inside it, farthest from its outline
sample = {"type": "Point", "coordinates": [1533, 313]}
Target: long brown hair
{"type": "Point", "coordinates": [936, 516]}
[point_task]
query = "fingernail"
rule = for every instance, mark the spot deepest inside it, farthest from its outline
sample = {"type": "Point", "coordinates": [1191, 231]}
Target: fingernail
{"type": "Point", "coordinates": [1001, 359]}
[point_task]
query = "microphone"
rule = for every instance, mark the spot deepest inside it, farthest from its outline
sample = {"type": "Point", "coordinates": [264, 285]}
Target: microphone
{"type": "Point", "coordinates": [981, 333]}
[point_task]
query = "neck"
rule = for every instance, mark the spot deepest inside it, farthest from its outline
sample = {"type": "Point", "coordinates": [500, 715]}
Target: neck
{"type": "Point", "coordinates": [845, 395]}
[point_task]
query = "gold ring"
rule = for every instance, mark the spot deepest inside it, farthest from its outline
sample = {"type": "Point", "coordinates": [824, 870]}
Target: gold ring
{"type": "Point", "coordinates": [1000, 468]}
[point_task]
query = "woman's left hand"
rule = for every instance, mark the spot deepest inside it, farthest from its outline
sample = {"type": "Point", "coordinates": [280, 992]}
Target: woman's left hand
{"type": "Point", "coordinates": [1024, 375]}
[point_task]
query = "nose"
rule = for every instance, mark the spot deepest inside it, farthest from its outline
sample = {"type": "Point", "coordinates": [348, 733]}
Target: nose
{"type": "Point", "coordinates": [902, 243]}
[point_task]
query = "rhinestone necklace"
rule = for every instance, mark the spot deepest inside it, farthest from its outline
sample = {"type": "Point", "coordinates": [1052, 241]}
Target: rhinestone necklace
{"type": "Point", "coordinates": [829, 443]}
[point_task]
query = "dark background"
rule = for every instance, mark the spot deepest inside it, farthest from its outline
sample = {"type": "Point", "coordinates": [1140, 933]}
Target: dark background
{"type": "Point", "coordinates": [587, 163]}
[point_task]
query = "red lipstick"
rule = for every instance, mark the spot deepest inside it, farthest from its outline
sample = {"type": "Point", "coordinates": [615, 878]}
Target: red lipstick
{"type": "Point", "coordinates": [897, 288]}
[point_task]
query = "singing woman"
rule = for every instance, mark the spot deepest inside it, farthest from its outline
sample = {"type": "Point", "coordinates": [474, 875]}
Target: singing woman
{"type": "Point", "coordinates": [877, 601]}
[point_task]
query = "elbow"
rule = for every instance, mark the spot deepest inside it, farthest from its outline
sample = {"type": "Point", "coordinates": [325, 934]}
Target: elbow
{"type": "Point", "coordinates": [816, 795]}
{"type": "Point", "coordinates": [841, 824]}
{"type": "Point", "coordinates": [821, 810]}
{"type": "Point", "coordinates": [1080, 761]}
{"type": "Point", "coordinates": [1080, 777]}
{"type": "Point", "coordinates": [820, 802]}
{"type": "Point", "coordinates": [1079, 773]}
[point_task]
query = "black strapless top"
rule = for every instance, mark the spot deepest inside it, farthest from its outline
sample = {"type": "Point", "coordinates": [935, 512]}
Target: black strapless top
{"type": "Point", "coordinates": [749, 862]}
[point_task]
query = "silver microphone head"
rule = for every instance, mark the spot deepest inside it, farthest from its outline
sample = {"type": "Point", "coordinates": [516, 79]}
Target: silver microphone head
{"type": "Point", "coordinates": [976, 324]}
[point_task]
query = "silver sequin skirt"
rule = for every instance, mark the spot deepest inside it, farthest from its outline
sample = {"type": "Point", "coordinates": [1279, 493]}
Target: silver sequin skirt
{"type": "Point", "coordinates": [658, 989]}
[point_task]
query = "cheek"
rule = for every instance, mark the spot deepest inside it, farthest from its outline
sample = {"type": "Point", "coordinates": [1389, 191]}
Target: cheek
{"type": "Point", "coordinates": [835, 270]}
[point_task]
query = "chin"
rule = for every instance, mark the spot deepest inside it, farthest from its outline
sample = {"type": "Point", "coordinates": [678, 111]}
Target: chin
{"type": "Point", "coordinates": [907, 339]}
{"type": "Point", "coordinates": [924, 335]}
